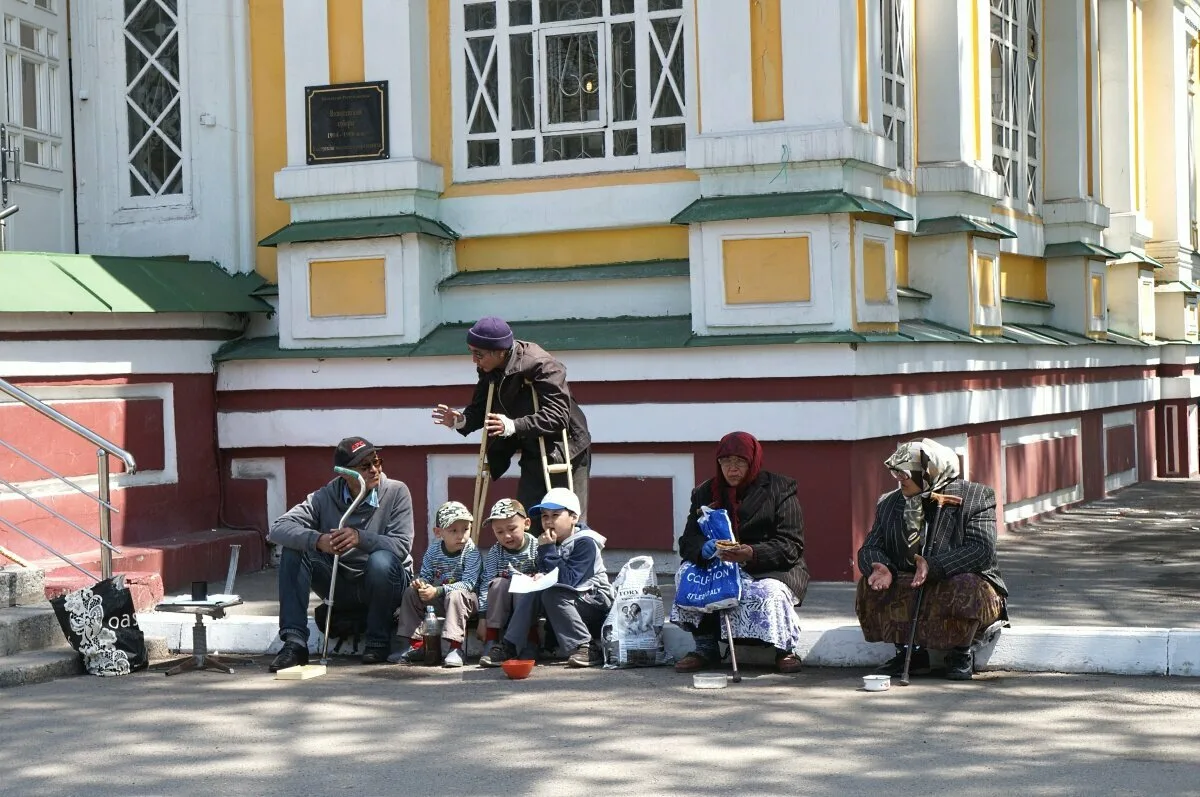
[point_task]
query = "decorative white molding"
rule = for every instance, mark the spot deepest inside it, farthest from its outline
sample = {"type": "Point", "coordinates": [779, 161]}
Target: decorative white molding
{"type": "Point", "coordinates": [271, 470]}
{"type": "Point", "coordinates": [41, 358]}
{"type": "Point", "coordinates": [1034, 433]}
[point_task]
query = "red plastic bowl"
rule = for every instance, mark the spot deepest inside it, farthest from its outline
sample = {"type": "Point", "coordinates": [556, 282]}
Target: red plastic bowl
{"type": "Point", "coordinates": [517, 669]}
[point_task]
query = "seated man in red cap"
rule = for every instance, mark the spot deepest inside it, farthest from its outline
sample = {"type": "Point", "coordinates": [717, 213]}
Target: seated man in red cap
{"type": "Point", "coordinates": [375, 547]}
{"type": "Point", "coordinates": [518, 368]}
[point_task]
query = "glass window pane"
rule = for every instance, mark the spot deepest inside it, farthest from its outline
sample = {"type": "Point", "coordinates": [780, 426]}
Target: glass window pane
{"type": "Point", "coordinates": [32, 152]}
{"type": "Point", "coordinates": [667, 138]}
{"type": "Point", "coordinates": [624, 73]}
{"type": "Point", "coordinates": [520, 49]}
{"type": "Point", "coordinates": [483, 153]}
{"type": "Point", "coordinates": [524, 150]}
{"type": "Point", "coordinates": [479, 16]}
{"type": "Point", "coordinates": [29, 37]}
{"type": "Point", "coordinates": [670, 96]}
{"type": "Point", "coordinates": [484, 121]}
{"type": "Point", "coordinates": [620, 7]}
{"type": "Point", "coordinates": [586, 145]}
{"type": "Point", "coordinates": [520, 12]}
{"type": "Point", "coordinates": [46, 4]}
{"type": "Point", "coordinates": [570, 10]}
{"type": "Point", "coordinates": [572, 78]}
{"type": "Point", "coordinates": [665, 5]}
{"type": "Point", "coordinates": [29, 94]}
{"type": "Point", "coordinates": [625, 142]}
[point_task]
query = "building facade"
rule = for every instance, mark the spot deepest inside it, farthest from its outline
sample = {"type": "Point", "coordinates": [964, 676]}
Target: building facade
{"type": "Point", "coordinates": [835, 224]}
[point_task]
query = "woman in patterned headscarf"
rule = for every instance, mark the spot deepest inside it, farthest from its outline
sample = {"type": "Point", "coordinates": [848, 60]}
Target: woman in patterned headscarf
{"type": "Point", "coordinates": [769, 527]}
{"type": "Point", "coordinates": [937, 531]}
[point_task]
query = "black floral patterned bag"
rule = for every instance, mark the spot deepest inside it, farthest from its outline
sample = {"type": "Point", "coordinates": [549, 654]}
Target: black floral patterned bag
{"type": "Point", "coordinates": [100, 622]}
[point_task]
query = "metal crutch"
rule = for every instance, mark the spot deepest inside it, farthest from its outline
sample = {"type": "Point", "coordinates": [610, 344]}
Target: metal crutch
{"type": "Point", "coordinates": [358, 499]}
{"type": "Point", "coordinates": [547, 468]}
{"type": "Point", "coordinates": [483, 474]}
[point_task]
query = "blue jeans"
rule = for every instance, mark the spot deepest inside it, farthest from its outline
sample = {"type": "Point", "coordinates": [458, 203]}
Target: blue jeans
{"type": "Point", "coordinates": [377, 590]}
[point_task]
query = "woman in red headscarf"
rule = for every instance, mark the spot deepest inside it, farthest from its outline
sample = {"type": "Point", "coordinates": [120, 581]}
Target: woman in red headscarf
{"type": "Point", "coordinates": [769, 527]}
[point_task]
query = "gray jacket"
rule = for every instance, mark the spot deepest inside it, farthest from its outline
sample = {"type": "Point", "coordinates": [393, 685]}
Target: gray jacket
{"type": "Point", "coordinates": [388, 527]}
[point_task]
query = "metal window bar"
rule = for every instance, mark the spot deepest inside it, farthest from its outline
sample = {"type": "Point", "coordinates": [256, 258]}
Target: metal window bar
{"type": "Point", "coordinates": [105, 448]}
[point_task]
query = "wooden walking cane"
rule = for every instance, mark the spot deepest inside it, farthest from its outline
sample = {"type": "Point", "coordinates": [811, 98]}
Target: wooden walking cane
{"type": "Point", "coordinates": [942, 500]}
{"type": "Point", "coordinates": [483, 474]}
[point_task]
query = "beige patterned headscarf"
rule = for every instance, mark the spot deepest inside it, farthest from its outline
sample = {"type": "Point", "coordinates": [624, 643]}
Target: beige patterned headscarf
{"type": "Point", "coordinates": [932, 466]}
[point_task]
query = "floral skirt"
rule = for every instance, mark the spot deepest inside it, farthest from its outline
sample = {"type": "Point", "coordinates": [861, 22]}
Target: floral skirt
{"type": "Point", "coordinates": [766, 612]}
{"type": "Point", "coordinates": [953, 611]}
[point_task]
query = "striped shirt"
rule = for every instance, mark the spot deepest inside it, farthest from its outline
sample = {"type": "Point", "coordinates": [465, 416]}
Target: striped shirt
{"type": "Point", "coordinates": [499, 561]}
{"type": "Point", "coordinates": [446, 571]}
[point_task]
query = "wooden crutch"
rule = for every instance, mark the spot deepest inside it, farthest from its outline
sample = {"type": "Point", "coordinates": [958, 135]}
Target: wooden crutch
{"type": "Point", "coordinates": [547, 468]}
{"type": "Point", "coordinates": [483, 475]}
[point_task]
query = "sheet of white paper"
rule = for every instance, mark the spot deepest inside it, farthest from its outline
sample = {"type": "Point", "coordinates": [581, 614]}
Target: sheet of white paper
{"type": "Point", "coordinates": [521, 583]}
{"type": "Point", "coordinates": [212, 599]}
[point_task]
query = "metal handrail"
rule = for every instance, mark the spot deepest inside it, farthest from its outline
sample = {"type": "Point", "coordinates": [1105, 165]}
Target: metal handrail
{"type": "Point", "coordinates": [34, 461]}
{"type": "Point", "coordinates": [106, 448]}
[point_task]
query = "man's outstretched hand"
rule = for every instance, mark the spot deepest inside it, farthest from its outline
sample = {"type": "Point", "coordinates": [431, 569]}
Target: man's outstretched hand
{"type": "Point", "coordinates": [448, 416]}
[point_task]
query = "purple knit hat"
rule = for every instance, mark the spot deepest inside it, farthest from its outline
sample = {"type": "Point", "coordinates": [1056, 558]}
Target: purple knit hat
{"type": "Point", "coordinates": [492, 333]}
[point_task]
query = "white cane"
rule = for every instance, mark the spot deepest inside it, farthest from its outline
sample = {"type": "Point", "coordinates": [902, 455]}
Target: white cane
{"type": "Point", "coordinates": [358, 499]}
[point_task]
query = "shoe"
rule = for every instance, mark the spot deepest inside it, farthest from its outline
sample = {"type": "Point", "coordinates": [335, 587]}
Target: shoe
{"type": "Point", "coordinates": [499, 653]}
{"type": "Point", "coordinates": [409, 655]}
{"type": "Point", "coordinates": [291, 655]}
{"type": "Point", "coordinates": [453, 658]}
{"type": "Point", "coordinates": [960, 665]}
{"type": "Point", "coordinates": [787, 663]}
{"type": "Point", "coordinates": [895, 665]}
{"type": "Point", "coordinates": [695, 662]}
{"type": "Point", "coordinates": [376, 656]}
{"type": "Point", "coordinates": [547, 655]}
{"type": "Point", "coordinates": [586, 655]}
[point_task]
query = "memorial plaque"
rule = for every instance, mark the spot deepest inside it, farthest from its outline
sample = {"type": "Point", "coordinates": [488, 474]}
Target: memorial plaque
{"type": "Point", "coordinates": [346, 122]}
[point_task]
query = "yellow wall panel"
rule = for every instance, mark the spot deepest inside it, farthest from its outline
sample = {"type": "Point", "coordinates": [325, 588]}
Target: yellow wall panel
{"type": "Point", "coordinates": [579, 248]}
{"type": "Point", "coordinates": [269, 130]}
{"type": "Point", "coordinates": [338, 288]}
{"type": "Point", "coordinates": [985, 285]}
{"type": "Point", "coordinates": [902, 240]}
{"type": "Point", "coordinates": [441, 132]}
{"type": "Point", "coordinates": [767, 270]}
{"type": "Point", "coordinates": [875, 288]}
{"type": "Point", "coordinates": [1097, 296]}
{"type": "Point", "coordinates": [345, 41]}
{"type": "Point", "coordinates": [1023, 277]}
{"type": "Point", "coordinates": [766, 60]}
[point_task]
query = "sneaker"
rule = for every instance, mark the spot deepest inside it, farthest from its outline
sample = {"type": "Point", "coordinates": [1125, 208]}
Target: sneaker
{"type": "Point", "coordinates": [291, 655]}
{"type": "Point", "coordinates": [499, 653]}
{"type": "Point", "coordinates": [453, 658]}
{"type": "Point", "coordinates": [379, 655]}
{"type": "Point", "coordinates": [895, 665]}
{"type": "Point", "coordinates": [960, 665]}
{"type": "Point", "coordinates": [586, 655]}
{"type": "Point", "coordinates": [409, 655]}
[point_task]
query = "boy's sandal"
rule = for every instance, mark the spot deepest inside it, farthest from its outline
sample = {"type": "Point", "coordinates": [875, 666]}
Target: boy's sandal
{"type": "Point", "coordinates": [694, 662]}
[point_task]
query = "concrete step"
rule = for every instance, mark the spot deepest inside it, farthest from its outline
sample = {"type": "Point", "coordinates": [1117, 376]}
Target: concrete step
{"type": "Point", "coordinates": [21, 586]}
{"type": "Point", "coordinates": [26, 628]}
{"type": "Point", "coordinates": [39, 665]}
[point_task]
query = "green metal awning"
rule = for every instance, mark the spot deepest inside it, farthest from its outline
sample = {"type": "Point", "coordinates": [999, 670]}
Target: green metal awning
{"type": "Point", "coordinates": [299, 232]}
{"type": "Point", "coordinates": [1079, 249]}
{"type": "Point", "coordinates": [948, 225]}
{"type": "Point", "coordinates": [1136, 257]}
{"type": "Point", "coordinates": [762, 206]}
{"type": "Point", "coordinates": [40, 282]}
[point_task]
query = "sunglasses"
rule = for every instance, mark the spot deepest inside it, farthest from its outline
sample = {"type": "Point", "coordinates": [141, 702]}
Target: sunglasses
{"type": "Point", "coordinates": [367, 467]}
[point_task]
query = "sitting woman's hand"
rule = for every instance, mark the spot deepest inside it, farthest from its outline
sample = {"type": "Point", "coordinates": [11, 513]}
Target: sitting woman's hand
{"type": "Point", "coordinates": [739, 554]}
{"type": "Point", "coordinates": [709, 551]}
{"type": "Point", "coordinates": [922, 572]}
{"type": "Point", "coordinates": [880, 578]}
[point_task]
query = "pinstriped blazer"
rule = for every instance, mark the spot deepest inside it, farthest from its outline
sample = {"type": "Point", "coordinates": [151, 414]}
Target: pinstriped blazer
{"type": "Point", "coordinates": [963, 537]}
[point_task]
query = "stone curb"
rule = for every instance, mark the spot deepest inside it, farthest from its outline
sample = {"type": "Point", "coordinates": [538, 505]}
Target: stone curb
{"type": "Point", "coordinates": [1061, 649]}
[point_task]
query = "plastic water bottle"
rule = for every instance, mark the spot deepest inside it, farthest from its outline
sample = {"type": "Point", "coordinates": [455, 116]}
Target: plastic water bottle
{"type": "Point", "coordinates": [429, 628]}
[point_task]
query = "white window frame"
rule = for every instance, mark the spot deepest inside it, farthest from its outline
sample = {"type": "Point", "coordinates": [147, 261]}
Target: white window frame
{"type": "Point", "coordinates": [129, 201]}
{"type": "Point", "coordinates": [1192, 53]}
{"type": "Point", "coordinates": [645, 50]}
{"type": "Point", "coordinates": [896, 16]}
{"type": "Point", "coordinates": [1021, 96]}
{"type": "Point", "coordinates": [45, 56]}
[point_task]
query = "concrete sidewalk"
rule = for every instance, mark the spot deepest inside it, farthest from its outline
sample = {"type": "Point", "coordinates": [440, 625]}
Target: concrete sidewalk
{"type": "Point", "coordinates": [1110, 586]}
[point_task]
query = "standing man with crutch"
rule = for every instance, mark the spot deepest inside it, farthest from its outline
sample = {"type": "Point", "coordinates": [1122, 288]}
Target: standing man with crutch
{"type": "Point", "coordinates": [531, 412]}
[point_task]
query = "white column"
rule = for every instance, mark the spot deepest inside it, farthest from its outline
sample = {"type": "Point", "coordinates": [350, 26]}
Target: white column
{"type": "Point", "coordinates": [1122, 131]}
{"type": "Point", "coordinates": [396, 49]}
{"type": "Point", "coordinates": [306, 59]}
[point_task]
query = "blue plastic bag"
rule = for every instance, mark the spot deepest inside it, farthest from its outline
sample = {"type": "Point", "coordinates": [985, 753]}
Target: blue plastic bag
{"type": "Point", "coordinates": [715, 585]}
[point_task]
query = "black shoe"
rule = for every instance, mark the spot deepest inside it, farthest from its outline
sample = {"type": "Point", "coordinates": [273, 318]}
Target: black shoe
{"type": "Point", "coordinates": [499, 653]}
{"type": "Point", "coordinates": [895, 665]}
{"type": "Point", "coordinates": [291, 655]}
{"type": "Point", "coordinates": [586, 655]}
{"type": "Point", "coordinates": [376, 655]}
{"type": "Point", "coordinates": [960, 665]}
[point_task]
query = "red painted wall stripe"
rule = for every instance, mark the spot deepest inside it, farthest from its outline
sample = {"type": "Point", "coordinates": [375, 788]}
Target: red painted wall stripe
{"type": "Point", "coordinates": [1042, 467]}
{"type": "Point", "coordinates": [1120, 449]}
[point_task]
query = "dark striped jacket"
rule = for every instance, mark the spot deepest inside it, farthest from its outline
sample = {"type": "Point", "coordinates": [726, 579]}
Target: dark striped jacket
{"type": "Point", "coordinates": [769, 520]}
{"type": "Point", "coordinates": [963, 539]}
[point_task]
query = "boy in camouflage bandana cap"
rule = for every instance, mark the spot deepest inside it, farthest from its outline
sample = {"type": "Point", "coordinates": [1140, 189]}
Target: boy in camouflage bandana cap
{"type": "Point", "coordinates": [515, 551]}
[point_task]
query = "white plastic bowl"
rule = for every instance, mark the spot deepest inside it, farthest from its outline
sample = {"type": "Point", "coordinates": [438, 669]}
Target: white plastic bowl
{"type": "Point", "coordinates": [709, 680]}
{"type": "Point", "coordinates": [877, 683]}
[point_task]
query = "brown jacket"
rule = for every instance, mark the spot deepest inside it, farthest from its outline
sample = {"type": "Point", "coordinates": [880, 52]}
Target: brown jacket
{"type": "Point", "coordinates": [529, 368]}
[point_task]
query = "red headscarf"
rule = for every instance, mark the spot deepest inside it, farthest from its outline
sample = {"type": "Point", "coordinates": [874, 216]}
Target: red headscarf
{"type": "Point", "coordinates": [736, 444]}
